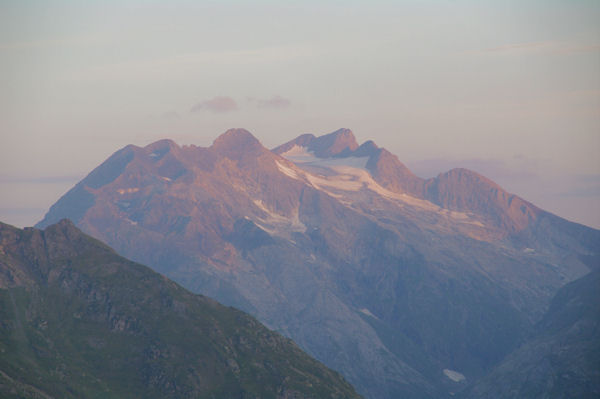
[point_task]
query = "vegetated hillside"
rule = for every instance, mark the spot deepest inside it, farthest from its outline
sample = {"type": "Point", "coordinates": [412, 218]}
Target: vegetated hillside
{"type": "Point", "coordinates": [562, 357]}
{"type": "Point", "coordinates": [408, 287]}
{"type": "Point", "coordinates": [79, 321]}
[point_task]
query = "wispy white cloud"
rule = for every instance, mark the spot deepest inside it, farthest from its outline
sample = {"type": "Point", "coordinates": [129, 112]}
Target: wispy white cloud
{"type": "Point", "coordinates": [219, 104]}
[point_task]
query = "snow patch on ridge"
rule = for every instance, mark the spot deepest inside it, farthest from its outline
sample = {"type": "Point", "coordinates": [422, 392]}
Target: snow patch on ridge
{"type": "Point", "coordinates": [264, 228]}
{"type": "Point", "coordinates": [128, 190]}
{"type": "Point", "coordinates": [299, 154]}
{"type": "Point", "coordinates": [350, 174]}
{"type": "Point", "coordinates": [353, 176]}
{"type": "Point", "coordinates": [454, 375]}
{"type": "Point", "coordinates": [367, 312]}
{"type": "Point", "coordinates": [287, 171]}
{"type": "Point", "coordinates": [280, 224]}
{"type": "Point", "coordinates": [349, 162]}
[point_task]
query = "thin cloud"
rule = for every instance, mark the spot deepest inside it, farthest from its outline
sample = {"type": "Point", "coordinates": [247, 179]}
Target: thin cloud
{"type": "Point", "coordinates": [517, 168]}
{"type": "Point", "coordinates": [80, 41]}
{"type": "Point", "coordinates": [590, 178]}
{"type": "Point", "coordinates": [273, 102]}
{"type": "Point", "coordinates": [22, 211]}
{"type": "Point", "coordinates": [582, 192]}
{"type": "Point", "coordinates": [586, 186]}
{"type": "Point", "coordinates": [218, 105]}
{"type": "Point", "coordinates": [8, 179]}
{"type": "Point", "coordinates": [543, 47]}
{"type": "Point", "coordinates": [170, 115]}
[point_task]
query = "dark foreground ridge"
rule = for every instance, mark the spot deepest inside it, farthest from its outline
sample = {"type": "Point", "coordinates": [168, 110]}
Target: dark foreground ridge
{"type": "Point", "coordinates": [79, 321]}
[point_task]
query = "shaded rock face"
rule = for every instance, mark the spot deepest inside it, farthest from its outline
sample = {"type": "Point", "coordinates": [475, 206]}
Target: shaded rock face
{"type": "Point", "coordinates": [79, 321]}
{"type": "Point", "coordinates": [560, 359]}
{"type": "Point", "coordinates": [388, 278]}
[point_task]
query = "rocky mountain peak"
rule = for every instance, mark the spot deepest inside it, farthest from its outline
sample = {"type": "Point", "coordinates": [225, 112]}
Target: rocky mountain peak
{"type": "Point", "coordinates": [366, 149]}
{"type": "Point", "coordinates": [304, 140]}
{"type": "Point", "coordinates": [462, 174]}
{"type": "Point", "coordinates": [161, 147]}
{"type": "Point", "coordinates": [339, 143]}
{"type": "Point", "coordinates": [335, 143]}
{"type": "Point", "coordinates": [233, 138]}
{"type": "Point", "coordinates": [66, 229]}
{"type": "Point", "coordinates": [464, 190]}
{"type": "Point", "coordinates": [66, 225]}
{"type": "Point", "coordinates": [388, 171]}
{"type": "Point", "coordinates": [236, 143]}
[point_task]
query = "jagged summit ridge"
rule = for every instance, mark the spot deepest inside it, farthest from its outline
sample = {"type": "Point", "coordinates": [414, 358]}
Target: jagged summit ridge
{"type": "Point", "coordinates": [165, 161]}
{"type": "Point", "coordinates": [458, 190]}
{"type": "Point", "coordinates": [368, 148]}
{"type": "Point", "coordinates": [339, 143]}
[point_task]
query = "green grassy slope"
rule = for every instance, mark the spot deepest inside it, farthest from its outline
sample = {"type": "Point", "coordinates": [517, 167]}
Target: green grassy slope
{"type": "Point", "coordinates": [79, 321]}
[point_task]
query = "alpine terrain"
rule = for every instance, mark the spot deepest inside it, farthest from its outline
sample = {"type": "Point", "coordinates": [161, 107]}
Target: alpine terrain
{"type": "Point", "coordinates": [79, 321]}
{"type": "Point", "coordinates": [409, 287]}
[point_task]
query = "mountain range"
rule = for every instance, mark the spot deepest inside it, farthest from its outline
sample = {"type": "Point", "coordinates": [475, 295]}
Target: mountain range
{"type": "Point", "coordinates": [79, 321]}
{"type": "Point", "coordinates": [409, 287]}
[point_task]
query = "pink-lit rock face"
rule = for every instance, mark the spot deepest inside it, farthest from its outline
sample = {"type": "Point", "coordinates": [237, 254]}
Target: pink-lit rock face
{"type": "Point", "coordinates": [337, 143]}
{"type": "Point", "coordinates": [384, 276]}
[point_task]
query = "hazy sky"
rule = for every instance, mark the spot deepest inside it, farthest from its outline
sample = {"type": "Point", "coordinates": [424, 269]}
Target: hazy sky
{"type": "Point", "coordinates": [510, 89]}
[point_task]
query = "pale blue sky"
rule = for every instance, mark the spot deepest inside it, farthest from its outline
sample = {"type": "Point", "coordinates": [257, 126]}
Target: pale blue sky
{"type": "Point", "coordinates": [510, 89]}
